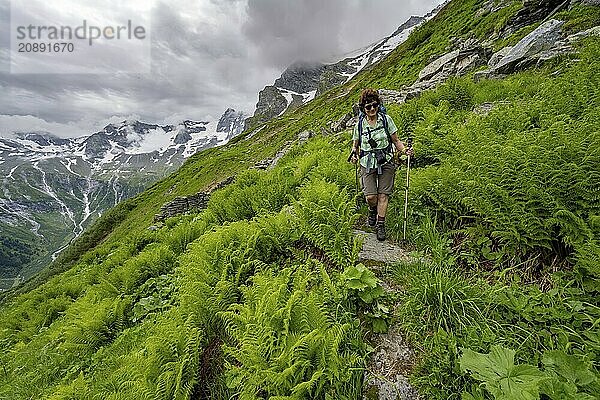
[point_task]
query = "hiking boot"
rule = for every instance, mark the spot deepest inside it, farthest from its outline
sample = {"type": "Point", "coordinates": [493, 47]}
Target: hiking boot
{"type": "Point", "coordinates": [372, 220]}
{"type": "Point", "coordinates": [380, 229]}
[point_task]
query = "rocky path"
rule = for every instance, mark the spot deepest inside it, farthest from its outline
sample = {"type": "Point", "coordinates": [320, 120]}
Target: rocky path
{"type": "Point", "coordinates": [388, 367]}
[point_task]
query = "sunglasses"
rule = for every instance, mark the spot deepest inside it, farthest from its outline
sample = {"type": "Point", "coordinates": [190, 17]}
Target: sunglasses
{"type": "Point", "coordinates": [371, 106]}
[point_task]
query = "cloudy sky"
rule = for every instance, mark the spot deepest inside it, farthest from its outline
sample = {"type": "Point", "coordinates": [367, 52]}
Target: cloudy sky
{"type": "Point", "coordinates": [198, 57]}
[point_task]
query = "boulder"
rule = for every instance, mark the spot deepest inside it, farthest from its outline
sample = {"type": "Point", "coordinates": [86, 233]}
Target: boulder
{"type": "Point", "coordinates": [304, 136]}
{"type": "Point", "coordinates": [340, 124]}
{"type": "Point", "coordinates": [543, 38]}
{"type": "Point", "coordinates": [392, 96]}
{"type": "Point", "coordinates": [595, 31]}
{"type": "Point", "coordinates": [498, 56]}
{"type": "Point", "coordinates": [433, 68]}
{"type": "Point", "coordinates": [469, 55]}
{"type": "Point", "coordinates": [532, 12]}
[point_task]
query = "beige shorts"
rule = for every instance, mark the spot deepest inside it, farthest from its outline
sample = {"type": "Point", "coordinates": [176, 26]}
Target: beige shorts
{"type": "Point", "coordinates": [372, 183]}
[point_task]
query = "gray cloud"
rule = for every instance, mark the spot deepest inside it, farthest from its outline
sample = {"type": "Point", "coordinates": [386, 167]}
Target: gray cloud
{"type": "Point", "coordinates": [313, 30]}
{"type": "Point", "coordinates": [286, 30]}
{"type": "Point", "coordinates": [207, 55]}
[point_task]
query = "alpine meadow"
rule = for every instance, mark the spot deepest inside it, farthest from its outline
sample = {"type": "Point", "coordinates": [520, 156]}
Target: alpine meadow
{"type": "Point", "coordinates": [263, 293]}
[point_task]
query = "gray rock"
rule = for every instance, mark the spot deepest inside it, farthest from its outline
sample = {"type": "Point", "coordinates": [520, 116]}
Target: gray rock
{"type": "Point", "coordinates": [271, 103]}
{"type": "Point", "coordinates": [541, 39]}
{"type": "Point", "coordinates": [498, 56]}
{"type": "Point", "coordinates": [595, 31]}
{"type": "Point", "coordinates": [286, 147]}
{"type": "Point", "coordinates": [231, 122]}
{"type": "Point", "coordinates": [386, 377]}
{"type": "Point", "coordinates": [487, 74]}
{"type": "Point", "coordinates": [340, 124]}
{"type": "Point", "coordinates": [304, 136]}
{"type": "Point", "coordinates": [469, 55]}
{"type": "Point", "coordinates": [392, 96]}
{"type": "Point", "coordinates": [433, 68]}
{"type": "Point", "coordinates": [300, 77]}
{"type": "Point", "coordinates": [533, 11]}
{"type": "Point", "coordinates": [181, 205]}
{"type": "Point", "coordinates": [373, 250]}
{"type": "Point", "coordinates": [467, 63]}
{"type": "Point", "coordinates": [182, 137]}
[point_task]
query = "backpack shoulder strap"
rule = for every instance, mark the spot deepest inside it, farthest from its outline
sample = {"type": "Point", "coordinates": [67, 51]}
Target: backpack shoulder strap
{"type": "Point", "coordinates": [383, 113]}
{"type": "Point", "coordinates": [361, 118]}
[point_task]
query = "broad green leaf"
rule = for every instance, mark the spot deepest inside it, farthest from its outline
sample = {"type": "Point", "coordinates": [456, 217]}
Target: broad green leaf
{"type": "Point", "coordinates": [561, 390]}
{"type": "Point", "coordinates": [503, 379]}
{"type": "Point", "coordinates": [355, 284]}
{"type": "Point", "coordinates": [488, 367]}
{"type": "Point", "coordinates": [569, 367]}
{"type": "Point", "coordinates": [522, 382]}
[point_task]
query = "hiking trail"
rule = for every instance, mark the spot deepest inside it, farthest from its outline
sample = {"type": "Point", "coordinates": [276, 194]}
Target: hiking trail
{"type": "Point", "coordinates": [388, 367]}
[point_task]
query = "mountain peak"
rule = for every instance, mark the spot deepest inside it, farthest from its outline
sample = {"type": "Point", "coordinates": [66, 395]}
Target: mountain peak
{"type": "Point", "coordinates": [231, 122]}
{"type": "Point", "coordinates": [42, 138]}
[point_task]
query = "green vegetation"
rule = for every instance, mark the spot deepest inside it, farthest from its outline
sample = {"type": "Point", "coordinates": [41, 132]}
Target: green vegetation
{"type": "Point", "coordinates": [261, 296]}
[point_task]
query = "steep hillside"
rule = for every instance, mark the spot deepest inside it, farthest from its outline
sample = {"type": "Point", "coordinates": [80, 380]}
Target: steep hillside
{"type": "Point", "coordinates": [260, 294]}
{"type": "Point", "coordinates": [53, 188]}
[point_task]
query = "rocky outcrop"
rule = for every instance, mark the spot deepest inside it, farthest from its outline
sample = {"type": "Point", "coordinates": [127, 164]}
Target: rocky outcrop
{"type": "Point", "coordinates": [271, 103]}
{"type": "Point", "coordinates": [532, 12]}
{"type": "Point", "coordinates": [300, 77]}
{"type": "Point", "coordinates": [182, 137]}
{"type": "Point", "coordinates": [231, 122]}
{"type": "Point", "coordinates": [468, 55]}
{"type": "Point", "coordinates": [341, 124]}
{"type": "Point", "coordinates": [182, 205]}
{"type": "Point", "coordinates": [270, 163]}
{"type": "Point", "coordinates": [544, 38]}
{"type": "Point", "coordinates": [543, 44]}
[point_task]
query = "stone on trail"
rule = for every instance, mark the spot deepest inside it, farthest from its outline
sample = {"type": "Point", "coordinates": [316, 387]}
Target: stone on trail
{"type": "Point", "coordinates": [374, 250]}
{"type": "Point", "coordinates": [388, 367]}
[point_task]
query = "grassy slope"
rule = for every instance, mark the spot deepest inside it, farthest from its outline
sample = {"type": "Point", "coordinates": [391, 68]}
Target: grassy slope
{"type": "Point", "coordinates": [144, 313]}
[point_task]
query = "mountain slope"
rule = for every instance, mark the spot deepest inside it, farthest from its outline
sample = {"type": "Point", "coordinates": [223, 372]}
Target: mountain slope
{"type": "Point", "coordinates": [259, 294]}
{"type": "Point", "coordinates": [302, 81]}
{"type": "Point", "coordinates": [53, 188]}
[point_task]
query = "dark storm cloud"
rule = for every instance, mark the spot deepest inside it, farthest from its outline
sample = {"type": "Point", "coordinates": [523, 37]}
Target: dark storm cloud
{"type": "Point", "coordinates": [286, 30]}
{"type": "Point", "coordinates": [312, 30]}
{"type": "Point", "coordinates": [206, 56]}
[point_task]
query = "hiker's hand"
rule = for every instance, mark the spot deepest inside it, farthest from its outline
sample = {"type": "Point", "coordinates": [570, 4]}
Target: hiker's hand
{"type": "Point", "coordinates": [354, 158]}
{"type": "Point", "coordinates": [409, 151]}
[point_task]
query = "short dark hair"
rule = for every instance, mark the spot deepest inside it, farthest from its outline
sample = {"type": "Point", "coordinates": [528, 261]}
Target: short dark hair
{"type": "Point", "coordinates": [368, 96]}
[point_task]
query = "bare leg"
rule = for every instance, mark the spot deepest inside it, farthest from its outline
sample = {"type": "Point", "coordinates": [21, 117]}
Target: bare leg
{"type": "Point", "coordinates": [382, 204]}
{"type": "Point", "coordinates": [372, 200]}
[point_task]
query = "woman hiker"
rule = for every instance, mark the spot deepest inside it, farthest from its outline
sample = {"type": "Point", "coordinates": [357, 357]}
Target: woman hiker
{"type": "Point", "coordinates": [373, 143]}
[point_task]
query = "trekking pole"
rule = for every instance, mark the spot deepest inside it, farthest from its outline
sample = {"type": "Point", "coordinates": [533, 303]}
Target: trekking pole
{"type": "Point", "coordinates": [357, 189]}
{"type": "Point", "coordinates": [409, 144]}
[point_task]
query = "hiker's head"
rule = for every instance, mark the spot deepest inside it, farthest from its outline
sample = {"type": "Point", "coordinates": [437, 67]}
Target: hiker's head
{"type": "Point", "coordinates": [369, 100]}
